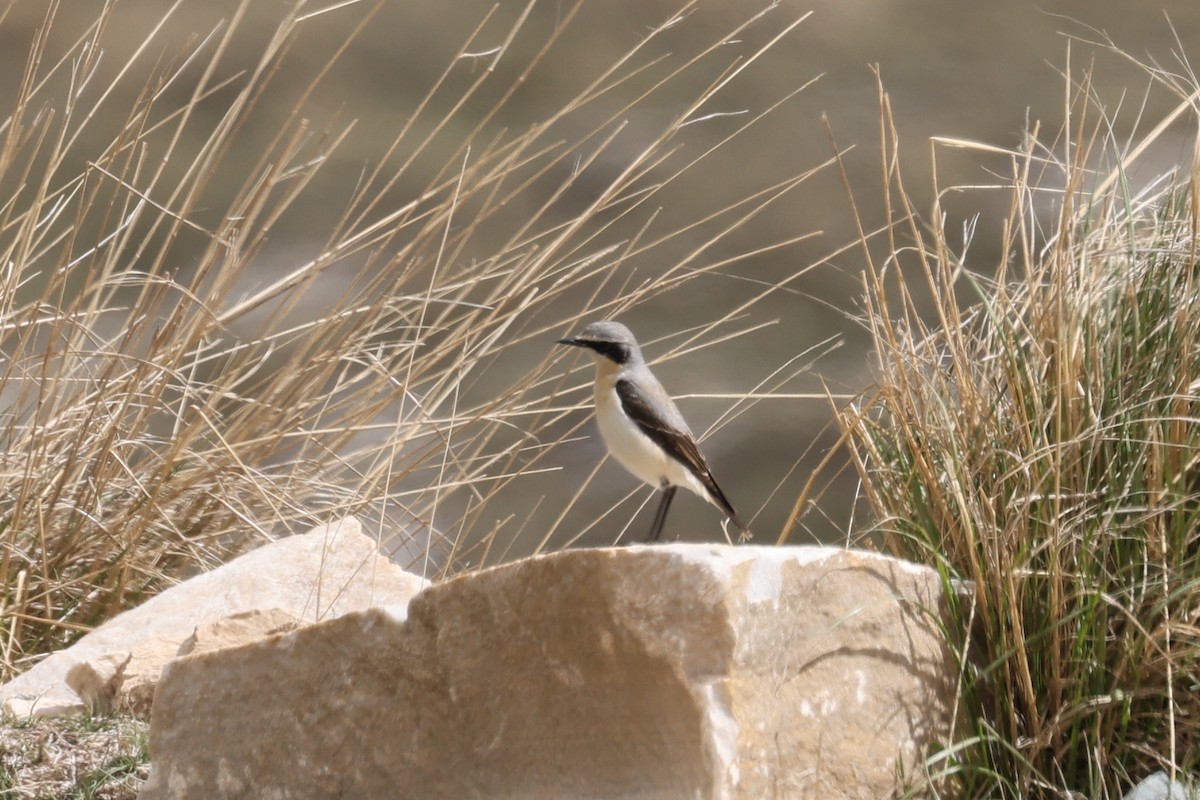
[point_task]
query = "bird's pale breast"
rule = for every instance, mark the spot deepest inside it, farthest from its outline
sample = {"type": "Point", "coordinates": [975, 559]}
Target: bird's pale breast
{"type": "Point", "coordinates": [633, 449]}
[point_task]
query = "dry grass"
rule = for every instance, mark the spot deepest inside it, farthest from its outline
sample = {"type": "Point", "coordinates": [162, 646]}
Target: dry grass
{"type": "Point", "coordinates": [167, 403]}
{"type": "Point", "coordinates": [74, 758]}
{"type": "Point", "coordinates": [1042, 441]}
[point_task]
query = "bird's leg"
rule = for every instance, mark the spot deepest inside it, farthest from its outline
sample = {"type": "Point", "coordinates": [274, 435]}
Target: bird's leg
{"type": "Point", "coordinates": [660, 516]}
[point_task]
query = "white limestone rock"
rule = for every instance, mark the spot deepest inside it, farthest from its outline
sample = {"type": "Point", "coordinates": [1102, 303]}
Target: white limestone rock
{"type": "Point", "coordinates": [322, 574]}
{"type": "Point", "coordinates": [676, 671]}
{"type": "Point", "coordinates": [239, 629]}
{"type": "Point", "coordinates": [1159, 786]}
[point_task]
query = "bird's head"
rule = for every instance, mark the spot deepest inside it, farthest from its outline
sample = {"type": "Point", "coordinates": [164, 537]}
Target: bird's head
{"type": "Point", "coordinates": [607, 341]}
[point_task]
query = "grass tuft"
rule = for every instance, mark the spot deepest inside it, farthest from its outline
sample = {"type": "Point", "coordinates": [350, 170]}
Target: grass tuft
{"type": "Point", "coordinates": [1038, 435]}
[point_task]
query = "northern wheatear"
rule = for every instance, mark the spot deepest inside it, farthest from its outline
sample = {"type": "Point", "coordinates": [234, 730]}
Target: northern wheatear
{"type": "Point", "coordinates": [641, 425]}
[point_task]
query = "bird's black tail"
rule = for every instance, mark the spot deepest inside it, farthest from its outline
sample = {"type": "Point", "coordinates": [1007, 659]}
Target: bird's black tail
{"type": "Point", "coordinates": [718, 499]}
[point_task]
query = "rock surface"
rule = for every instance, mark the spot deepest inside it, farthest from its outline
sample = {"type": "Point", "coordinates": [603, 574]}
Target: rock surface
{"type": "Point", "coordinates": [1159, 786]}
{"type": "Point", "coordinates": [676, 671]}
{"type": "Point", "coordinates": [123, 682]}
{"type": "Point", "coordinates": [238, 629]}
{"type": "Point", "coordinates": [329, 571]}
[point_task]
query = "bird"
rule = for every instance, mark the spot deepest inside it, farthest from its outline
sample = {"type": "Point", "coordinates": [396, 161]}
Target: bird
{"type": "Point", "coordinates": [641, 425]}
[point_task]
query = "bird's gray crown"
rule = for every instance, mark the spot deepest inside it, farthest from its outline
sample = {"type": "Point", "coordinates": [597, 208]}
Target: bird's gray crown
{"type": "Point", "coordinates": [609, 339]}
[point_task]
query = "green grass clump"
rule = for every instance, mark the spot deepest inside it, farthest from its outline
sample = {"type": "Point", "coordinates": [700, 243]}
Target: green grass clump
{"type": "Point", "coordinates": [1042, 441]}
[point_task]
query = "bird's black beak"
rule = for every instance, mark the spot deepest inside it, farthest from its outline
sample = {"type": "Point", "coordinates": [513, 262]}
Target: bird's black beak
{"type": "Point", "coordinates": [572, 341]}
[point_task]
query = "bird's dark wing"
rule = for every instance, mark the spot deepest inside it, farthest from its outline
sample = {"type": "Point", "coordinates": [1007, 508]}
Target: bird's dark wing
{"type": "Point", "coordinates": [676, 440]}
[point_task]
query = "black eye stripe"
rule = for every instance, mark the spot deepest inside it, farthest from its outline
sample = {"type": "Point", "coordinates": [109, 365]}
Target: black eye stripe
{"type": "Point", "coordinates": [614, 351]}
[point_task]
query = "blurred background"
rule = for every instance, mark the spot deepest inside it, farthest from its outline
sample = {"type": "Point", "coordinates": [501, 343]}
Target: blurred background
{"type": "Point", "coordinates": [979, 71]}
